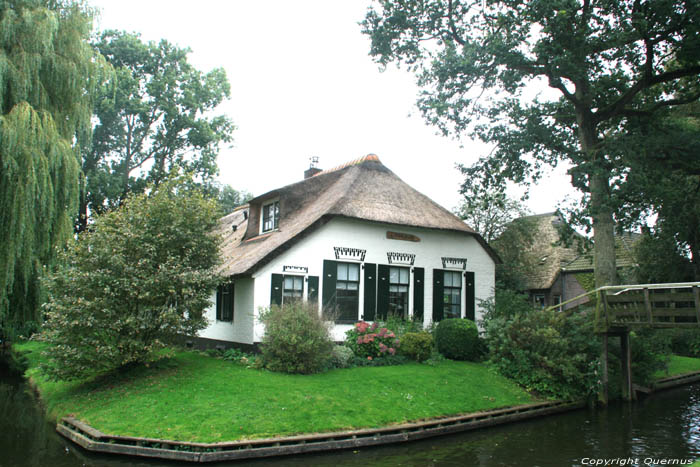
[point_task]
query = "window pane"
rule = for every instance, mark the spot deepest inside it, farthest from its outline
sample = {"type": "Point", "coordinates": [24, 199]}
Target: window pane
{"type": "Point", "coordinates": [342, 272]}
{"type": "Point", "coordinates": [403, 278]}
{"type": "Point", "coordinates": [297, 283]}
{"type": "Point", "coordinates": [341, 285]}
{"type": "Point", "coordinates": [353, 285]}
{"type": "Point", "coordinates": [393, 275]}
{"type": "Point", "coordinates": [288, 282]}
{"type": "Point", "coordinates": [353, 272]}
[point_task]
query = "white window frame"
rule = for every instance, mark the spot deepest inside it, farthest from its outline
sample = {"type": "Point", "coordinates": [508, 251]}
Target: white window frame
{"type": "Point", "coordinates": [275, 217]}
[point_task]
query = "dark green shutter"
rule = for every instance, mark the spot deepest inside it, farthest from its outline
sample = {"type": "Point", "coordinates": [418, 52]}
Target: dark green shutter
{"type": "Point", "coordinates": [330, 276]}
{"type": "Point", "coordinates": [438, 295]}
{"type": "Point", "coordinates": [276, 289]}
{"type": "Point", "coordinates": [370, 292]}
{"type": "Point", "coordinates": [219, 302]}
{"type": "Point", "coordinates": [470, 312]}
{"type": "Point", "coordinates": [418, 291]}
{"type": "Point", "coordinates": [313, 289]}
{"type": "Point", "coordinates": [382, 291]}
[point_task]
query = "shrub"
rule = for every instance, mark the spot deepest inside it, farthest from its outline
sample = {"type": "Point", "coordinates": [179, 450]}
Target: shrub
{"type": "Point", "coordinates": [371, 341]}
{"type": "Point", "coordinates": [296, 339]}
{"type": "Point", "coordinates": [342, 357]}
{"type": "Point", "coordinates": [417, 346]}
{"type": "Point", "coordinates": [684, 342]}
{"type": "Point", "coordinates": [135, 283]}
{"type": "Point", "coordinates": [458, 339]}
{"type": "Point", "coordinates": [400, 325]}
{"type": "Point", "coordinates": [556, 354]}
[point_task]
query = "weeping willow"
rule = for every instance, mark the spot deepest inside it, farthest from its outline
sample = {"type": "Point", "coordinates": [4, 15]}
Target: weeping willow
{"type": "Point", "coordinates": [48, 75]}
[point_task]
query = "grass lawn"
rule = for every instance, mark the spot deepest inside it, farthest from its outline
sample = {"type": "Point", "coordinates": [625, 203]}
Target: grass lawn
{"type": "Point", "coordinates": [679, 365]}
{"type": "Point", "coordinates": [193, 397]}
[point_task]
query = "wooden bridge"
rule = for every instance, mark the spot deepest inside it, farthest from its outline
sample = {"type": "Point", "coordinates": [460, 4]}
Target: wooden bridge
{"type": "Point", "coordinates": [621, 308]}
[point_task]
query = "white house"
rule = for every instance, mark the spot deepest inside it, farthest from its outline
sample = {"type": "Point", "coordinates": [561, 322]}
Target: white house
{"type": "Point", "coordinates": [355, 239]}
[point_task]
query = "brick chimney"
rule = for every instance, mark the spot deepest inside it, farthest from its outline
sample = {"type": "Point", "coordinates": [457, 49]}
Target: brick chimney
{"type": "Point", "coordinates": [312, 170]}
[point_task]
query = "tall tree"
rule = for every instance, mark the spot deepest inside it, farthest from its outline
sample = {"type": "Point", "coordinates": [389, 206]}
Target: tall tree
{"type": "Point", "coordinates": [158, 120]}
{"type": "Point", "coordinates": [48, 77]}
{"type": "Point", "coordinates": [608, 61]}
{"type": "Point", "coordinates": [488, 210]}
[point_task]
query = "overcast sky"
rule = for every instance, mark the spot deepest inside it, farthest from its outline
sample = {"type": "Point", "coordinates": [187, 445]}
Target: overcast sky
{"type": "Point", "coordinates": [302, 85]}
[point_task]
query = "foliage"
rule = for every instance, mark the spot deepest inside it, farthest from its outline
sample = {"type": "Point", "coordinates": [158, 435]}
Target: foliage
{"type": "Point", "coordinates": [371, 341]}
{"type": "Point", "coordinates": [239, 356]}
{"type": "Point", "coordinates": [417, 346]}
{"type": "Point", "coordinates": [159, 119]}
{"type": "Point", "coordinates": [650, 350]}
{"type": "Point", "coordinates": [48, 76]}
{"type": "Point", "coordinates": [678, 365]}
{"type": "Point", "coordinates": [488, 210]}
{"type": "Point", "coordinates": [684, 342]}
{"type": "Point", "coordinates": [296, 340]}
{"type": "Point", "coordinates": [515, 247]}
{"type": "Point", "coordinates": [660, 260]}
{"type": "Point", "coordinates": [400, 325]}
{"type": "Point", "coordinates": [229, 198]}
{"type": "Point", "coordinates": [140, 279]}
{"type": "Point", "coordinates": [214, 392]}
{"type": "Point", "coordinates": [342, 357]}
{"type": "Point", "coordinates": [607, 64]}
{"type": "Point", "coordinates": [458, 339]}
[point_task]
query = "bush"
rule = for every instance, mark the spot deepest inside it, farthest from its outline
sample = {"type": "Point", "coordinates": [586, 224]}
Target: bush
{"type": "Point", "coordinates": [685, 342]}
{"type": "Point", "coordinates": [135, 283]}
{"type": "Point", "coordinates": [556, 354]}
{"type": "Point", "coordinates": [371, 341]}
{"type": "Point", "coordinates": [342, 357]}
{"type": "Point", "coordinates": [458, 339]}
{"type": "Point", "coordinates": [417, 346]}
{"type": "Point", "coordinates": [296, 340]}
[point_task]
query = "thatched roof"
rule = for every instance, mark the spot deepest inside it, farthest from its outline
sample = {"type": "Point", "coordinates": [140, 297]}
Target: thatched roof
{"type": "Point", "coordinates": [362, 189]}
{"type": "Point", "coordinates": [625, 256]}
{"type": "Point", "coordinates": [549, 253]}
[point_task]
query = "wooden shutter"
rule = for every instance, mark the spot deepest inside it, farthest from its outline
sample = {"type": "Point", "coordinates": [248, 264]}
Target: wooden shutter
{"type": "Point", "coordinates": [276, 289]}
{"type": "Point", "coordinates": [470, 312]}
{"type": "Point", "coordinates": [330, 276]}
{"type": "Point", "coordinates": [370, 286]}
{"type": "Point", "coordinates": [438, 295]}
{"type": "Point", "coordinates": [227, 308]}
{"type": "Point", "coordinates": [219, 302]}
{"type": "Point", "coordinates": [382, 291]}
{"type": "Point", "coordinates": [418, 293]}
{"type": "Point", "coordinates": [313, 290]}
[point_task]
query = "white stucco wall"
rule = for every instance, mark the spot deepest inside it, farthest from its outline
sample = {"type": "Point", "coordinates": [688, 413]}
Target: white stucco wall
{"type": "Point", "coordinates": [311, 251]}
{"type": "Point", "coordinates": [251, 294]}
{"type": "Point", "coordinates": [241, 329]}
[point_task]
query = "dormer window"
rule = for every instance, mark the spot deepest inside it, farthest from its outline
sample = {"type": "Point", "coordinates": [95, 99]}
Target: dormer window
{"type": "Point", "coordinates": [270, 216]}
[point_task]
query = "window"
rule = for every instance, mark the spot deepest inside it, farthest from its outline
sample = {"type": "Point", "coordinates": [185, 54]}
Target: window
{"type": "Point", "coordinates": [539, 300]}
{"type": "Point", "coordinates": [347, 291]}
{"type": "Point", "coordinates": [224, 302]}
{"type": "Point", "coordinates": [293, 288]}
{"type": "Point", "coordinates": [398, 292]}
{"type": "Point", "coordinates": [271, 216]}
{"type": "Point", "coordinates": [452, 294]}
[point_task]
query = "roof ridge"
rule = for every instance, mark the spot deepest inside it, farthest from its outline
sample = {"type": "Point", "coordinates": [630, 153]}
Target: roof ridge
{"type": "Point", "coordinates": [369, 157]}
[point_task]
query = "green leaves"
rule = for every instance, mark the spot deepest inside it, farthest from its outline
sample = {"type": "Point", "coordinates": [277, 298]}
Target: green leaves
{"type": "Point", "coordinates": [141, 277]}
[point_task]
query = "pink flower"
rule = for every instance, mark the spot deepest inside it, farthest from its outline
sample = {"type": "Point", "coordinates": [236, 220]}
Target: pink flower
{"type": "Point", "coordinates": [382, 332]}
{"type": "Point", "coordinates": [391, 334]}
{"type": "Point", "coordinates": [392, 350]}
{"type": "Point", "coordinates": [369, 358]}
{"type": "Point", "coordinates": [374, 326]}
{"type": "Point", "coordinates": [359, 340]}
{"type": "Point", "coordinates": [361, 326]}
{"type": "Point", "coordinates": [382, 348]}
{"type": "Point", "coordinates": [396, 342]}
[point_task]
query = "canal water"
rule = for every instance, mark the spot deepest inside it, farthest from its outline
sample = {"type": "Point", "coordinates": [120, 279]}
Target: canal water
{"type": "Point", "coordinates": [663, 427]}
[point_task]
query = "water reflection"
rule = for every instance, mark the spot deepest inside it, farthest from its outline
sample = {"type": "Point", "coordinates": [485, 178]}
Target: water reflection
{"type": "Point", "coordinates": [665, 426]}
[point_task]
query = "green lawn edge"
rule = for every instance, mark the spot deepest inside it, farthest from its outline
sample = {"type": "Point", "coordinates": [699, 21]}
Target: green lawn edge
{"type": "Point", "coordinates": [678, 365]}
{"type": "Point", "coordinates": [194, 397]}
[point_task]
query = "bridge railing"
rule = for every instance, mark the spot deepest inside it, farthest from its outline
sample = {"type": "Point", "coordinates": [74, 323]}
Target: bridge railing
{"type": "Point", "coordinates": [641, 305]}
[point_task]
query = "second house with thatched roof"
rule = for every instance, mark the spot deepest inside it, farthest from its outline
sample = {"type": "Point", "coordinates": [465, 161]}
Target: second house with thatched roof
{"type": "Point", "coordinates": [356, 240]}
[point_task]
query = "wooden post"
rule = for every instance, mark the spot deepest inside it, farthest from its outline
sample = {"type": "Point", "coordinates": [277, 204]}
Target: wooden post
{"type": "Point", "coordinates": [696, 295]}
{"type": "Point", "coordinates": [647, 304]}
{"type": "Point", "coordinates": [603, 394]}
{"type": "Point", "coordinates": [626, 354]}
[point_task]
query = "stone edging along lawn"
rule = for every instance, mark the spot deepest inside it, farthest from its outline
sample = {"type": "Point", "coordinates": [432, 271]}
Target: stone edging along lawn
{"type": "Point", "coordinates": [96, 441]}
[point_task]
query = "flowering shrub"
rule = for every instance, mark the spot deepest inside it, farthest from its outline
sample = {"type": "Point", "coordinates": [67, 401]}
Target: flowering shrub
{"type": "Point", "coordinates": [370, 341]}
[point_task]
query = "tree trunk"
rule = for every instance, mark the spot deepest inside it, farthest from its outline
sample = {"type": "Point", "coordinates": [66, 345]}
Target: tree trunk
{"type": "Point", "coordinates": [604, 263]}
